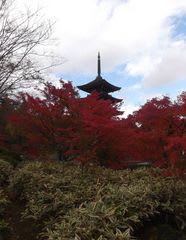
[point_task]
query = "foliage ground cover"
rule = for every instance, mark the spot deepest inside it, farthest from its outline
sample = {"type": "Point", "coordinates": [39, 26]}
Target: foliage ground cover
{"type": "Point", "coordinates": [97, 203]}
{"type": "Point", "coordinates": [6, 170]}
{"type": "Point", "coordinates": [4, 226]}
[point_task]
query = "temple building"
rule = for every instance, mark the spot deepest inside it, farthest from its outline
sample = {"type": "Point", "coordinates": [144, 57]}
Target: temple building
{"type": "Point", "coordinates": [101, 86]}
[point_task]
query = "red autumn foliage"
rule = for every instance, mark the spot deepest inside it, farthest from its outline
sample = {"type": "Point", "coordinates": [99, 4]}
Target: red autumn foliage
{"type": "Point", "coordinates": [92, 130]}
{"type": "Point", "coordinates": [95, 128]}
{"type": "Point", "coordinates": [160, 132]}
{"type": "Point", "coordinates": [45, 123]}
{"type": "Point", "coordinates": [152, 123]}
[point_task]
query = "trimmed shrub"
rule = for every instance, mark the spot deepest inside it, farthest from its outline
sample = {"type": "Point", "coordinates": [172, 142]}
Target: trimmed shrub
{"type": "Point", "coordinates": [4, 226]}
{"type": "Point", "coordinates": [11, 157]}
{"type": "Point", "coordinates": [6, 171]}
{"type": "Point", "coordinates": [98, 204]}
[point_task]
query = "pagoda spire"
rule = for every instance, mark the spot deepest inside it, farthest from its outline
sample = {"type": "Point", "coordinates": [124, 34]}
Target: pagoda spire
{"type": "Point", "coordinates": [99, 64]}
{"type": "Point", "coordinates": [100, 85]}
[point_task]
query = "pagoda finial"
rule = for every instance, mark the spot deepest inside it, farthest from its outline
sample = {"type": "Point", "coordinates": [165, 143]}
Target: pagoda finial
{"type": "Point", "coordinates": [99, 64]}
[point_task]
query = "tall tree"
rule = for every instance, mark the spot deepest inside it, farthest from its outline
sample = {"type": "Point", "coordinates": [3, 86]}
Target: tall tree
{"type": "Point", "coordinates": [61, 122]}
{"type": "Point", "coordinates": [96, 130]}
{"type": "Point", "coordinates": [177, 140]}
{"type": "Point", "coordinates": [45, 123]}
{"type": "Point", "coordinates": [20, 34]}
{"type": "Point", "coordinates": [153, 123]}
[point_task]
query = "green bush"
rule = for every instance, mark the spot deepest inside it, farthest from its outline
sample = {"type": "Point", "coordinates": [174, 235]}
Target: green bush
{"type": "Point", "coordinates": [118, 211]}
{"type": "Point", "coordinates": [9, 156]}
{"type": "Point", "coordinates": [98, 203]}
{"type": "Point", "coordinates": [6, 171]}
{"type": "Point", "coordinates": [4, 226]}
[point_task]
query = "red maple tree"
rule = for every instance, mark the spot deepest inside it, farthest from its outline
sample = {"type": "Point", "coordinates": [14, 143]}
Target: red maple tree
{"type": "Point", "coordinates": [96, 132]}
{"type": "Point", "coordinates": [91, 129]}
{"type": "Point", "coordinates": [45, 122]}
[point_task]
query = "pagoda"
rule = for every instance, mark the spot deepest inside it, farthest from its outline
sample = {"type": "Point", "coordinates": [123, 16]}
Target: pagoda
{"type": "Point", "coordinates": [101, 86]}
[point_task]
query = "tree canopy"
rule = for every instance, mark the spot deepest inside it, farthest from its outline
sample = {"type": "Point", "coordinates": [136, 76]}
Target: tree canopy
{"type": "Point", "coordinates": [91, 129]}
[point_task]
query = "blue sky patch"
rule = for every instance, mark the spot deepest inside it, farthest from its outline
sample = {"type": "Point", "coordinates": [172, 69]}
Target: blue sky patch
{"type": "Point", "coordinates": [179, 29]}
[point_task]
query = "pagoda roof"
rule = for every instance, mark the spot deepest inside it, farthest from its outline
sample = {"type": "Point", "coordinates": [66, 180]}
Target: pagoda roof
{"type": "Point", "coordinates": [106, 96]}
{"type": "Point", "coordinates": [99, 85]}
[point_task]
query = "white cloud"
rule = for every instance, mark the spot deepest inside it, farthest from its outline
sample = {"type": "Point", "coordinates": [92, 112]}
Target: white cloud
{"type": "Point", "coordinates": [163, 67]}
{"type": "Point", "coordinates": [133, 32]}
{"type": "Point", "coordinates": [142, 65]}
{"type": "Point", "coordinates": [134, 87]}
{"type": "Point", "coordinates": [171, 68]}
{"type": "Point", "coordinates": [128, 109]}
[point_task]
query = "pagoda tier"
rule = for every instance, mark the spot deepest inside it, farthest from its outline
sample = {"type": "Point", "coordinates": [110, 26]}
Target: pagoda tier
{"type": "Point", "coordinates": [106, 96]}
{"type": "Point", "coordinates": [101, 86]}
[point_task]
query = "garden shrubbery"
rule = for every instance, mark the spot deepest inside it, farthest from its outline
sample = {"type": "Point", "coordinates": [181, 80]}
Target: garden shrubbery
{"type": "Point", "coordinates": [9, 156]}
{"type": "Point", "coordinates": [97, 203]}
{"type": "Point", "coordinates": [6, 171]}
{"type": "Point", "coordinates": [4, 226]}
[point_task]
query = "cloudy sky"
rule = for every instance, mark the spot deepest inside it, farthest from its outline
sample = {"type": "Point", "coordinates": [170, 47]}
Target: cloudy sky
{"type": "Point", "coordinates": [142, 44]}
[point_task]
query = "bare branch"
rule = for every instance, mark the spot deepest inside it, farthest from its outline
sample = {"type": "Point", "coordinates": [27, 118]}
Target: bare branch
{"type": "Point", "coordinates": [20, 37]}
